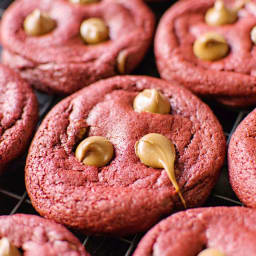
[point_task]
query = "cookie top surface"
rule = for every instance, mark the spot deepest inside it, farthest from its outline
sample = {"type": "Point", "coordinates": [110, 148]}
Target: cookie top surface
{"type": "Point", "coordinates": [231, 230]}
{"type": "Point", "coordinates": [129, 22]}
{"type": "Point", "coordinates": [102, 200]}
{"type": "Point", "coordinates": [182, 25]}
{"type": "Point", "coordinates": [241, 160]}
{"type": "Point", "coordinates": [18, 114]}
{"type": "Point", "coordinates": [62, 54]}
{"type": "Point", "coordinates": [37, 236]}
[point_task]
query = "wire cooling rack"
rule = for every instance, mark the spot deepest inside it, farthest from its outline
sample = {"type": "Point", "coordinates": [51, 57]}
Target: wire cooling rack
{"type": "Point", "coordinates": [13, 195]}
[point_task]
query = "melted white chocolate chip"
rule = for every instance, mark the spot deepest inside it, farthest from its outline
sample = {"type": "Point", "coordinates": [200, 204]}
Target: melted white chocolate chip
{"type": "Point", "coordinates": [211, 252]}
{"type": "Point", "coordinates": [95, 151]}
{"type": "Point", "coordinates": [94, 31]}
{"type": "Point", "coordinates": [220, 15]}
{"type": "Point", "coordinates": [253, 34]}
{"type": "Point", "coordinates": [7, 249]}
{"type": "Point", "coordinates": [38, 23]}
{"type": "Point", "coordinates": [121, 61]}
{"type": "Point", "coordinates": [210, 47]}
{"type": "Point", "coordinates": [151, 100]}
{"type": "Point", "coordinates": [156, 151]}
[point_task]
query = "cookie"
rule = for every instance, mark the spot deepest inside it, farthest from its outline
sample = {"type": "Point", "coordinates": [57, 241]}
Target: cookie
{"type": "Point", "coordinates": [218, 231]}
{"type": "Point", "coordinates": [102, 160]}
{"type": "Point", "coordinates": [32, 235]}
{"type": "Point", "coordinates": [241, 159]}
{"type": "Point", "coordinates": [18, 115]}
{"type": "Point", "coordinates": [61, 46]}
{"type": "Point", "coordinates": [209, 47]}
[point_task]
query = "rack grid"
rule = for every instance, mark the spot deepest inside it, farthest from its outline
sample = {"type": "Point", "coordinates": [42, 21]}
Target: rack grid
{"type": "Point", "coordinates": [13, 195]}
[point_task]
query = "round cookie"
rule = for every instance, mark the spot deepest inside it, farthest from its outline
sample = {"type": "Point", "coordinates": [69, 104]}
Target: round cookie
{"type": "Point", "coordinates": [32, 235]}
{"type": "Point", "coordinates": [241, 160]}
{"type": "Point", "coordinates": [60, 61]}
{"type": "Point", "coordinates": [226, 231]}
{"type": "Point", "coordinates": [18, 115]}
{"type": "Point", "coordinates": [125, 196]}
{"type": "Point", "coordinates": [231, 78]}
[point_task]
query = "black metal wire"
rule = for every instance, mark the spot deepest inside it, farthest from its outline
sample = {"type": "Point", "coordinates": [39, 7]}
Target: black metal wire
{"type": "Point", "coordinates": [14, 199]}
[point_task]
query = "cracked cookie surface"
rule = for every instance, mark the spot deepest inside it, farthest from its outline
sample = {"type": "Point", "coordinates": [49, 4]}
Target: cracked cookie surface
{"type": "Point", "coordinates": [34, 235]}
{"type": "Point", "coordinates": [18, 115]}
{"type": "Point", "coordinates": [231, 230]}
{"type": "Point", "coordinates": [125, 196]}
{"type": "Point", "coordinates": [231, 80]}
{"type": "Point", "coordinates": [60, 61]}
{"type": "Point", "coordinates": [241, 160]}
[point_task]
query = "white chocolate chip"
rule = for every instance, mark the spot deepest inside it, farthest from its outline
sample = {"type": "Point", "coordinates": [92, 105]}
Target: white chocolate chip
{"type": "Point", "coordinates": [7, 249]}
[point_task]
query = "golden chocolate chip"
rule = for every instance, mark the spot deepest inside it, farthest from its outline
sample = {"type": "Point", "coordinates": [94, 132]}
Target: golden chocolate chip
{"type": "Point", "coordinates": [151, 100]}
{"type": "Point", "coordinates": [253, 34]}
{"type": "Point", "coordinates": [121, 61]}
{"type": "Point", "coordinates": [82, 133]}
{"type": "Point", "coordinates": [94, 31]}
{"type": "Point", "coordinates": [7, 249]}
{"type": "Point", "coordinates": [156, 151]}
{"type": "Point", "coordinates": [38, 23]}
{"type": "Point", "coordinates": [220, 15]}
{"type": "Point", "coordinates": [83, 1]}
{"type": "Point", "coordinates": [95, 151]}
{"type": "Point", "coordinates": [211, 252]}
{"type": "Point", "coordinates": [211, 46]}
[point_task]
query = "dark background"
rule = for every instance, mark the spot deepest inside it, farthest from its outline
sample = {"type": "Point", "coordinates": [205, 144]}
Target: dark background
{"type": "Point", "coordinates": [13, 196]}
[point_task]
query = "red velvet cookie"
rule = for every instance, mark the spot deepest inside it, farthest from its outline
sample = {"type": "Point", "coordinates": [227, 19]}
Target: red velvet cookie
{"type": "Point", "coordinates": [241, 160]}
{"type": "Point", "coordinates": [60, 61]}
{"type": "Point", "coordinates": [18, 115]}
{"type": "Point", "coordinates": [125, 196]}
{"type": "Point", "coordinates": [231, 78]}
{"type": "Point", "coordinates": [34, 236]}
{"type": "Point", "coordinates": [227, 230]}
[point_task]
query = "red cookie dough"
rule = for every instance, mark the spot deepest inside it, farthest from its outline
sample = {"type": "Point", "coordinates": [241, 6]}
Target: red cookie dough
{"type": "Point", "coordinates": [231, 80]}
{"type": "Point", "coordinates": [150, 1]}
{"type": "Point", "coordinates": [18, 115]}
{"type": "Point", "coordinates": [37, 236]}
{"type": "Point", "coordinates": [242, 159]}
{"type": "Point", "coordinates": [125, 196]}
{"type": "Point", "coordinates": [231, 230]}
{"type": "Point", "coordinates": [60, 61]}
